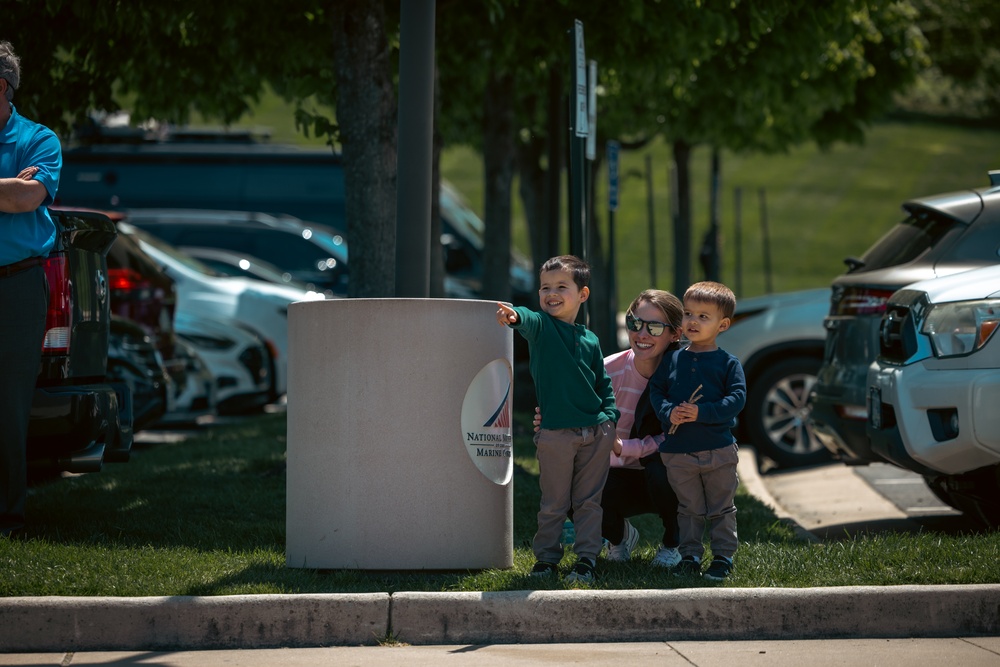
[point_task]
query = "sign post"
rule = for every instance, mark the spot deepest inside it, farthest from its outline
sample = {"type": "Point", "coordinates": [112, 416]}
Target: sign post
{"type": "Point", "coordinates": [578, 124]}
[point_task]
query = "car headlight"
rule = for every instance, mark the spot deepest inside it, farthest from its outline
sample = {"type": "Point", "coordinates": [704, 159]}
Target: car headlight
{"type": "Point", "coordinates": [961, 327]}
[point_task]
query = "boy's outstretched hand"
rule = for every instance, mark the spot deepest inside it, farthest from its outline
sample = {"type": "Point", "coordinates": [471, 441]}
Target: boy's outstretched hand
{"type": "Point", "coordinates": [506, 315]}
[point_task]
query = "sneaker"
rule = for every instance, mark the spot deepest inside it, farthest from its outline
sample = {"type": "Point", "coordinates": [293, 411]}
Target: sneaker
{"type": "Point", "coordinates": [582, 572]}
{"type": "Point", "coordinates": [619, 553]}
{"type": "Point", "coordinates": [688, 567]}
{"type": "Point", "coordinates": [667, 557]}
{"type": "Point", "coordinates": [718, 569]}
{"type": "Point", "coordinates": [542, 568]}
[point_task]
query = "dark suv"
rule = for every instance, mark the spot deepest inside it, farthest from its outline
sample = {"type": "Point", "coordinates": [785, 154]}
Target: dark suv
{"type": "Point", "coordinates": [78, 420]}
{"type": "Point", "coordinates": [940, 235]}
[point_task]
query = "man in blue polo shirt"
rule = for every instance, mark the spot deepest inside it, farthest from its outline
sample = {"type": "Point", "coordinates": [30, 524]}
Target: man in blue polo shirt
{"type": "Point", "coordinates": [30, 160]}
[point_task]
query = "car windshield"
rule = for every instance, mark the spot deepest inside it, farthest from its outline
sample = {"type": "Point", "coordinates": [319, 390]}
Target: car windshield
{"type": "Point", "coordinates": [168, 250]}
{"type": "Point", "coordinates": [907, 240]}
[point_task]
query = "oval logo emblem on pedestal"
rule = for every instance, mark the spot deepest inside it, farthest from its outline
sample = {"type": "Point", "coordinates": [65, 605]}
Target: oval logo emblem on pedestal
{"type": "Point", "coordinates": [486, 421]}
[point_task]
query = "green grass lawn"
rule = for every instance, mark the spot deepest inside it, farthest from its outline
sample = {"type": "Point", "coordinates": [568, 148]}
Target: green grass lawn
{"type": "Point", "coordinates": [207, 517]}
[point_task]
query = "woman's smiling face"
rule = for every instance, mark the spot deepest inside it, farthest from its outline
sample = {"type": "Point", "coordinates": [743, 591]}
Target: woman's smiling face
{"type": "Point", "coordinates": [645, 346]}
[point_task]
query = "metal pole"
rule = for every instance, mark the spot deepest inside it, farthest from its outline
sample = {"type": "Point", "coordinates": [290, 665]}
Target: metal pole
{"type": "Point", "coordinates": [768, 287]}
{"type": "Point", "coordinates": [650, 220]}
{"type": "Point", "coordinates": [415, 145]}
{"type": "Point", "coordinates": [738, 233]}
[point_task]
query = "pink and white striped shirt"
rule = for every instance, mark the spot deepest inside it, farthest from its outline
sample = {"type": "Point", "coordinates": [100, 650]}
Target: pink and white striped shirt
{"type": "Point", "coordinates": [628, 384]}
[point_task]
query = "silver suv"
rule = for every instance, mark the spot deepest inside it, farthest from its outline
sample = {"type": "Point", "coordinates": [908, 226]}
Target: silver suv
{"type": "Point", "coordinates": [940, 235]}
{"type": "Point", "coordinates": [934, 390]}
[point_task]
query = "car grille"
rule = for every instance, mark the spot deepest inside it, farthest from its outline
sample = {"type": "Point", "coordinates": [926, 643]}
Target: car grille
{"type": "Point", "coordinates": [900, 340]}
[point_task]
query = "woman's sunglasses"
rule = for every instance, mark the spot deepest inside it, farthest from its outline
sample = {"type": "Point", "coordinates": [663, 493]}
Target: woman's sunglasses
{"type": "Point", "coordinates": [655, 329]}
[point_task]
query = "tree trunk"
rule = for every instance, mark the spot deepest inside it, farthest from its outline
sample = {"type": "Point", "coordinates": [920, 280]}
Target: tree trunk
{"type": "Point", "coordinates": [682, 225]}
{"type": "Point", "coordinates": [498, 164]}
{"type": "Point", "coordinates": [366, 113]}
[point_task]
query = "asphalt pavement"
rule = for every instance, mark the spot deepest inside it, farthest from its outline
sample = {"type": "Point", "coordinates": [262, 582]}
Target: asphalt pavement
{"type": "Point", "coordinates": [703, 626]}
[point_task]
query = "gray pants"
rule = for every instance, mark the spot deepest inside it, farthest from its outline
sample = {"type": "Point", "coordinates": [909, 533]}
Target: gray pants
{"type": "Point", "coordinates": [705, 484]}
{"type": "Point", "coordinates": [573, 465]}
{"type": "Point", "coordinates": [24, 299]}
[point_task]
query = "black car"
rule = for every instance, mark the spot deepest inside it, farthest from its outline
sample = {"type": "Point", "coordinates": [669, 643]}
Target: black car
{"type": "Point", "coordinates": [940, 235]}
{"type": "Point", "coordinates": [79, 420]}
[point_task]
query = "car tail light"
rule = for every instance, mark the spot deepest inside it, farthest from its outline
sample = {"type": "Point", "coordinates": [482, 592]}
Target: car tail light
{"type": "Point", "coordinates": [862, 301]}
{"type": "Point", "coordinates": [59, 319]}
{"type": "Point", "coordinates": [126, 280]}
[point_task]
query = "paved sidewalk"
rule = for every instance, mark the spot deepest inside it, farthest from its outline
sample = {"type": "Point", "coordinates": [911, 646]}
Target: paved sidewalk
{"type": "Point", "coordinates": [969, 652]}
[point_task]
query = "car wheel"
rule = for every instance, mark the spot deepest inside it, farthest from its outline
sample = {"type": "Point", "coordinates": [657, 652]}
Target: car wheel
{"type": "Point", "coordinates": [777, 414]}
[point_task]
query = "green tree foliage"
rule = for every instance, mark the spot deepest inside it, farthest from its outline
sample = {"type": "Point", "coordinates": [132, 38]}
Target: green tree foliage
{"type": "Point", "coordinates": [962, 42]}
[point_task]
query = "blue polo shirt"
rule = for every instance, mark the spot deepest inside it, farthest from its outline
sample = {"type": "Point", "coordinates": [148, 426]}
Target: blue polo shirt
{"type": "Point", "coordinates": [24, 143]}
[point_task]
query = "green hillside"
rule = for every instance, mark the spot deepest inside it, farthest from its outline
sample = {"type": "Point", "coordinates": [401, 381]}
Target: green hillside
{"type": "Point", "coordinates": [821, 207]}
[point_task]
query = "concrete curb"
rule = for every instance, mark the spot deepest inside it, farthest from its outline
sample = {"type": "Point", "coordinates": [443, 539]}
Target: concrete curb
{"type": "Point", "coordinates": [46, 624]}
{"type": "Point", "coordinates": [42, 624]}
{"type": "Point", "coordinates": [696, 614]}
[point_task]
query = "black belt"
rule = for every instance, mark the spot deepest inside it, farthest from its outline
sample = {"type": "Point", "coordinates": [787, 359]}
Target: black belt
{"type": "Point", "coordinates": [23, 265]}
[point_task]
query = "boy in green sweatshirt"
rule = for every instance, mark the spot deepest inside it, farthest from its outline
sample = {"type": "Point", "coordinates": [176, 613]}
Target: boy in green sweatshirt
{"type": "Point", "coordinates": [577, 432]}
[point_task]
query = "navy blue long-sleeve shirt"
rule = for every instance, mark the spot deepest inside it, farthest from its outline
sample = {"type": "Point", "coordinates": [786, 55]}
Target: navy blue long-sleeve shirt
{"type": "Point", "coordinates": [723, 394]}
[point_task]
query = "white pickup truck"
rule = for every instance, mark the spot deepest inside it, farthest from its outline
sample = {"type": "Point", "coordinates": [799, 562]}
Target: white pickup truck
{"type": "Point", "coordinates": [934, 390]}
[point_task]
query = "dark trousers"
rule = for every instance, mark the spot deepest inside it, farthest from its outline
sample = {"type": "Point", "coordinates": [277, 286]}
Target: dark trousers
{"type": "Point", "coordinates": [631, 492]}
{"type": "Point", "coordinates": [24, 299]}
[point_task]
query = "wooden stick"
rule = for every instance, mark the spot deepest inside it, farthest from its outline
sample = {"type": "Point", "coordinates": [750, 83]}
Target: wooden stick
{"type": "Point", "coordinates": [694, 399]}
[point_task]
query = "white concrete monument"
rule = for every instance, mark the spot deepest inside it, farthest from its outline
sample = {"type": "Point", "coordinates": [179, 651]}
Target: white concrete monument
{"type": "Point", "coordinates": [399, 435]}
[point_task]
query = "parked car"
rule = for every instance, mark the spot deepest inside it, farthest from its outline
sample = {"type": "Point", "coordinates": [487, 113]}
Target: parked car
{"type": "Point", "coordinates": [240, 363]}
{"type": "Point", "coordinates": [142, 292]}
{"type": "Point", "coordinates": [144, 295]}
{"type": "Point", "coordinates": [79, 420]}
{"type": "Point", "coordinates": [133, 360]}
{"type": "Point", "coordinates": [197, 397]}
{"type": "Point", "coordinates": [241, 264]}
{"type": "Point", "coordinates": [262, 307]}
{"type": "Point", "coordinates": [312, 254]}
{"type": "Point", "coordinates": [934, 390]}
{"type": "Point", "coordinates": [940, 235]}
{"type": "Point", "coordinates": [779, 340]}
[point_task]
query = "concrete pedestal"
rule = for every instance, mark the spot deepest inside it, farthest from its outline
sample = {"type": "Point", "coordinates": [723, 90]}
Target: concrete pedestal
{"type": "Point", "coordinates": [399, 435]}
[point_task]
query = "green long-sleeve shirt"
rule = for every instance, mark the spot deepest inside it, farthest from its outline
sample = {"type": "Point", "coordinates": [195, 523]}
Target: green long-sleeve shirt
{"type": "Point", "coordinates": [567, 366]}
